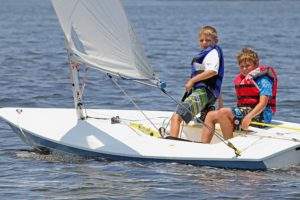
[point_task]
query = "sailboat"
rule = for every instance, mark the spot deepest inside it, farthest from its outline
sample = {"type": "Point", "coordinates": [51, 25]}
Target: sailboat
{"type": "Point", "coordinates": [99, 35]}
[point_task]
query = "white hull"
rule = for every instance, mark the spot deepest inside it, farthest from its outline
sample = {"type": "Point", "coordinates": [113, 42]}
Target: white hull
{"type": "Point", "coordinates": [59, 129]}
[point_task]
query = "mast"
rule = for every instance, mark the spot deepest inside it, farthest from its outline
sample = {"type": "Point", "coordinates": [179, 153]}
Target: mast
{"type": "Point", "coordinates": [99, 35]}
{"type": "Point", "coordinates": [77, 93]}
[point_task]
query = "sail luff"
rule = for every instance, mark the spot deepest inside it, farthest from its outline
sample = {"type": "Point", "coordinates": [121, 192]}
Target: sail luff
{"type": "Point", "coordinates": [99, 33]}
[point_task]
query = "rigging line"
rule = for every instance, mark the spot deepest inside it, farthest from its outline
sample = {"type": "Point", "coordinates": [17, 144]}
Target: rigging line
{"type": "Point", "coordinates": [267, 136]}
{"type": "Point", "coordinates": [132, 101]}
{"type": "Point", "coordinates": [250, 145]}
{"type": "Point", "coordinates": [278, 138]}
{"type": "Point", "coordinates": [109, 117]}
{"type": "Point", "coordinates": [260, 137]}
{"type": "Point", "coordinates": [228, 143]}
{"type": "Point", "coordinates": [275, 126]}
{"type": "Point", "coordinates": [169, 119]}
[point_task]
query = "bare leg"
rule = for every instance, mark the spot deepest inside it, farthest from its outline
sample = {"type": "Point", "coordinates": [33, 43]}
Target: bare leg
{"type": "Point", "coordinates": [209, 127]}
{"type": "Point", "coordinates": [175, 125]}
{"type": "Point", "coordinates": [223, 116]}
{"type": "Point", "coordinates": [226, 122]}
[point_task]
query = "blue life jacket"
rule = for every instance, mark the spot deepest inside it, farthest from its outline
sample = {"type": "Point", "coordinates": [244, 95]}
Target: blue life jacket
{"type": "Point", "coordinates": [214, 83]}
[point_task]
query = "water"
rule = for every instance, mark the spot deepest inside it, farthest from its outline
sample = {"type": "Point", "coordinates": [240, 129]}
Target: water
{"type": "Point", "coordinates": [34, 73]}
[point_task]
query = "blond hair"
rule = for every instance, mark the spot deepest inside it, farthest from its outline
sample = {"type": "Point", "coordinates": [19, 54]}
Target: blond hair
{"type": "Point", "coordinates": [248, 55]}
{"type": "Point", "coordinates": [209, 31]}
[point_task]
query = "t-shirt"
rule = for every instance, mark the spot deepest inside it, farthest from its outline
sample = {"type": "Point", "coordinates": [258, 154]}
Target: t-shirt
{"type": "Point", "coordinates": [265, 84]}
{"type": "Point", "coordinates": [210, 62]}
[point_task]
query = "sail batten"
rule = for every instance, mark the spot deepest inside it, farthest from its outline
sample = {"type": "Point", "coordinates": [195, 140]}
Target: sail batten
{"type": "Point", "coordinates": [99, 33]}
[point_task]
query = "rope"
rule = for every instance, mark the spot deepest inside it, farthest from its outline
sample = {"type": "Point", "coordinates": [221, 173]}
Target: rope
{"type": "Point", "coordinates": [276, 126]}
{"type": "Point", "coordinates": [132, 101]}
{"type": "Point", "coordinates": [278, 138]}
{"type": "Point", "coordinates": [228, 143]}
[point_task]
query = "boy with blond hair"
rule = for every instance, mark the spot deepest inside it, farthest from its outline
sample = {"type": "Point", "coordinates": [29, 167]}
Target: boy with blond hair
{"type": "Point", "coordinates": [204, 86]}
{"type": "Point", "coordinates": [256, 88]}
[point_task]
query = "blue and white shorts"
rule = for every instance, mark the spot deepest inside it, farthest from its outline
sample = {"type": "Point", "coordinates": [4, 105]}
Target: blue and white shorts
{"type": "Point", "coordinates": [238, 115]}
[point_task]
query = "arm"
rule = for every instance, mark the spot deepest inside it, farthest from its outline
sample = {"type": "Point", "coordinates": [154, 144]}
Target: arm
{"type": "Point", "coordinates": [265, 87]}
{"type": "Point", "coordinates": [211, 68]}
{"type": "Point", "coordinates": [202, 76]}
{"type": "Point", "coordinates": [263, 101]}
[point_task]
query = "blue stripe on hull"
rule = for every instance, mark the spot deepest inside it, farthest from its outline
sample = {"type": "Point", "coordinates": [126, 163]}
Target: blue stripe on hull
{"type": "Point", "coordinates": [38, 142]}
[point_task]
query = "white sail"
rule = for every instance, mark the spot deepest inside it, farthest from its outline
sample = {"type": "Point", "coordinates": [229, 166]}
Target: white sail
{"type": "Point", "coordinates": [99, 34]}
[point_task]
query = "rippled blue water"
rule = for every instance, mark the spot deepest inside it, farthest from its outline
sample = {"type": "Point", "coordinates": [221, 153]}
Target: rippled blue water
{"type": "Point", "coordinates": [34, 73]}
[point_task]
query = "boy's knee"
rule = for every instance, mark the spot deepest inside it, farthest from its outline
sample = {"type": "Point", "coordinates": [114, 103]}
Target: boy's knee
{"type": "Point", "coordinates": [211, 116]}
{"type": "Point", "coordinates": [224, 111]}
{"type": "Point", "coordinates": [176, 118]}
